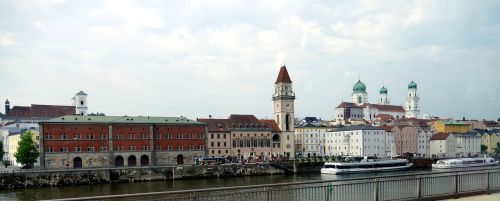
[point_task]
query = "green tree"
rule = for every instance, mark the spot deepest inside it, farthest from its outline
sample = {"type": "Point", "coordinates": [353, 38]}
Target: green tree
{"type": "Point", "coordinates": [484, 148]}
{"type": "Point", "coordinates": [27, 152]}
{"type": "Point", "coordinates": [1, 151]}
{"type": "Point", "coordinates": [498, 148]}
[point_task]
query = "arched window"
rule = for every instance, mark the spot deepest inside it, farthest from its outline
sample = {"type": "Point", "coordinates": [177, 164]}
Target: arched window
{"type": "Point", "coordinates": [359, 99]}
{"type": "Point", "coordinates": [81, 102]}
{"type": "Point", "coordinates": [287, 121]}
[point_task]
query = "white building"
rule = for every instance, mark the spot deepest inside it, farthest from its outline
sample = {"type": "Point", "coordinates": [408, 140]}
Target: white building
{"type": "Point", "coordinates": [423, 139]}
{"type": "Point", "coordinates": [80, 103]}
{"type": "Point", "coordinates": [310, 140]}
{"type": "Point", "coordinates": [358, 141]}
{"type": "Point", "coordinates": [412, 107]}
{"type": "Point", "coordinates": [443, 145]}
{"type": "Point", "coordinates": [361, 109]}
{"type": "Point", "coordinates": [468, 144]}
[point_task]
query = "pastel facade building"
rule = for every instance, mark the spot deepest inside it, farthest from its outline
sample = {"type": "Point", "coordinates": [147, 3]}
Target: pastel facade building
{"type": "Point", "coordinates": [310, 139]}
{"type": "Point", "coordinates": [443, 145]}
{"type": "Point", "coordinates": [468, 144]}
{"type": "Point", "coordinates": [117, 141]}
{"type": "Point", "coordinates": [490, 139]}
{"type": "Point", "coordinates": [444, 126]}
{"type": "Point", "coordinates": [358, 141]}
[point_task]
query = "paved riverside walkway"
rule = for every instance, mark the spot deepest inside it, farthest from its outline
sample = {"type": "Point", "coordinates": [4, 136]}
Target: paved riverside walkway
{"type": "Point", "coordinates": [491, 197]}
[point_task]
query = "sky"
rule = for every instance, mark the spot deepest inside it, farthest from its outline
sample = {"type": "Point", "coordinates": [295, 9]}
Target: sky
{"type": "Point", "coordinates": [200, 58]}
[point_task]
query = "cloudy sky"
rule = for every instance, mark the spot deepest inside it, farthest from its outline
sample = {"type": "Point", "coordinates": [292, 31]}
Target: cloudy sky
{"type": "Point", "coordinates": [196, 58]}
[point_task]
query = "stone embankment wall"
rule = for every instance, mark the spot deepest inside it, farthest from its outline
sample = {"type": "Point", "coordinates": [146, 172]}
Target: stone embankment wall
{"type": "Point", "coordinates": [117, 175]}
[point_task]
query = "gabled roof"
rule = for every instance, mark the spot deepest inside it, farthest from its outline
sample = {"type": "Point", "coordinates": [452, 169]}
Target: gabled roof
{"type": "Point", "coordinates": [81, 93]}
{"type": "Point", "coordinates": [385, 117]}
{"type": "Point", "coordinates": [348, 104]}
{"type": "Point", "coordinates": [243, 119]}
{"type": "Point", "coordinates": [440, 136]}
{"type": "Point", "coordinates": [40, 111]}
{"type": "Point", "coordinates": [283, 76]}
{"type": "Point", "coordinates": [391, 108]}
{"type": "Point", "coordinates": [217, 125]}
{"type": "Point", "coordinates": [271, 124]}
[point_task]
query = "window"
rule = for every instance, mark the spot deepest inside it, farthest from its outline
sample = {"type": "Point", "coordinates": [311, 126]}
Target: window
{"type": "Point", "coordinates": [64, 149]}
{"type": "Point", "coordinates": [190, 136]}
{"type": "Point", "coordinates": [131, 136]}
{"type": "Point", "coordinates": [90, 136]}
{"type": "Point", "coordinates": [157, 148]}
{"type": "Point", "coordinates": [191, 147]}
{"type": "Point", "coordinates": [144, 147]}
{"type": "Point", "coordinates": [103, 136]}
{"type": "Point", "coordinates": [200, 136]}
{"type": "Point", "coordinates": [218, 136]}
{"type": "Point", "coordinates": [211, 144]}
{"type": "Point", "coordinates": [131, 148]}
{"type": "Point", "coordinates": [63, 136]}
{"type": "Point", "coordinates": [119, 148]}
{"type": "Point", "coordinates": [103, 148]}
{"type": "Point", "coordinates": [218, 144]}
{"type": "Point", "coordinates": [180, 136]}
{"type": "Point", "coordinates": [76, 136]}
{"type": "Point", "coordinates": [225, 144]}
{"type": "Point", "coordinates": [169, 136]}
{"type": "Point", "coordinates": [78, 149]}
{"type": "Point", "coordinates": [144, 136]}
{"type": "Point", "coordinates": [200, 147]}
{"type": "Point", "coordinates": [224, 136]}
{"type": "Point", "coordinates": [90, 149]}
{"type": "Point", "coordinates": [211, 136]}
{"type": "Point", "coordinates": [180, 147]}
{"type": "Point", "coordinates": [169, 147]}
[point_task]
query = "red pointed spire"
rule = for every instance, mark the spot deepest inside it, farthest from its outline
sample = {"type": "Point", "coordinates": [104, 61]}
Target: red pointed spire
{"type": "Point", "coordinates": [283, 76]}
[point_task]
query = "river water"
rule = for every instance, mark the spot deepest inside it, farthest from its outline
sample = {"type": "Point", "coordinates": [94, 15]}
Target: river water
{"type": "Point", "coordinates": [155, 186]}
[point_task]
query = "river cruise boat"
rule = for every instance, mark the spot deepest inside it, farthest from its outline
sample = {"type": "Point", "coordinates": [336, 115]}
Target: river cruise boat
{"type": "Point", "coordinates": [465, 162]}
{"type": "Point", "coordinates": [365, 165]}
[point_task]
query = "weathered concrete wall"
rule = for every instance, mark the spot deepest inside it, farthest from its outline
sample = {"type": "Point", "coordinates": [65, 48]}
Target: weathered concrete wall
{"type": "Point", "coordinates": [88, 176]}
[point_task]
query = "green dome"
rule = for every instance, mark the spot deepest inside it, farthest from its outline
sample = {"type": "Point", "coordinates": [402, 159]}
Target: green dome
{"type": "Point", "coordinates": [359, 87]}
{"type": "Point", "coordinates": [383, 90]}
{"type": "Point", "coordinates": [412, 85]}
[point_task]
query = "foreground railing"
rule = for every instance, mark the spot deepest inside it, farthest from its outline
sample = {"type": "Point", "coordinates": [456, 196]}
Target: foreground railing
{"type": "Point", "coordinates": [394, 187]}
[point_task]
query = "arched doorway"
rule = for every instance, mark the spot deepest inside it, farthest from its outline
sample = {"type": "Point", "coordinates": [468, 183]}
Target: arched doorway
{"type": "Point", "coordinates": [180, 159]}
{"type": "Point", "coordinates": [77, 162]}
{"type": "Point", "coordinates": [144, 160]}
{"type": "Point", "coordinates": [132, 161]}
{"type": "Point", "coordinates": [119, 161]}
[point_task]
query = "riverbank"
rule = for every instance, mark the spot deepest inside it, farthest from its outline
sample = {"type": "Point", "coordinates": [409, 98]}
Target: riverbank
{"type": "Point", "coordinates": [26, 179]}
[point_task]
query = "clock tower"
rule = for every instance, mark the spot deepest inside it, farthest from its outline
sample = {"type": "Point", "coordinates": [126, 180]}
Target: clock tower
{"type": "Point", "coordinates": [284, 98]}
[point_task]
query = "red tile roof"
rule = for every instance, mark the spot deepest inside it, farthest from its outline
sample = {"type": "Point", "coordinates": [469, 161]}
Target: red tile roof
{"type": "Point", "coordinates": [243, 119]}
{"type": "Point", "coordinates": [348, 104]}
{"type": "Point", "coordinates": [391, 108]}
{"type": "Point", "coordinates": [384, 117]}
{"type": "Point", "coordinates": [214, 125]}
{"type": "Point", "coordinates": [40, 111]}
{"type": "Point", "coordinates": [283, 76]}
{"type": "Point", "coordinates": [272, 124]}
{"type": "Point", "coordinates": [440, 136]}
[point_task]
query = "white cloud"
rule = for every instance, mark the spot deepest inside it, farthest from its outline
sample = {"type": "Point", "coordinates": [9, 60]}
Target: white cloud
{"type": "Point", "coordinates": [6, 39]}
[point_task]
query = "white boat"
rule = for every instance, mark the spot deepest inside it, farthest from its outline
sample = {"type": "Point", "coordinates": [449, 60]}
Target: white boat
{"type": "Point", "coordinates": [465, 162]}
{"type": "Point", "coordinates": [365, 165]}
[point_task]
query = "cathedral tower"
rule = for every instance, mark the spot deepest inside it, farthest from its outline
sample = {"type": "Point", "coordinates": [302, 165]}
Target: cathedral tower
{"type": "Point", "coordinates": [383, 100]}
{"type": "Point", "coordinates": [80, 103]}
{"type": "Point", "coordinates": [283, 98]}
{"type": "Point", "coordinates": [359, 95]}
{"type": "Point", "coordinates": [412, 108]}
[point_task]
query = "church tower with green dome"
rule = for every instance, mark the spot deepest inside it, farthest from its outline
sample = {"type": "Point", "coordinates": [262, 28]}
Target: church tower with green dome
{"type": "Point", "coordinates": [359, 95]}
{"type": "Point", "coordinates": [383, 100]}
{"type": "Point", "coordinates": [412, 107]}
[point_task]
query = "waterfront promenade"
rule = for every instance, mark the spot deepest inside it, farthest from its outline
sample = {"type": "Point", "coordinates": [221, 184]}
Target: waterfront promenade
{"type": "Point", "coordinates": [491, 197]}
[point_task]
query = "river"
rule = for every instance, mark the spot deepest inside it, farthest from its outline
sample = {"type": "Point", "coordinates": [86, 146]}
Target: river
{"type": "Point", "coordinates": [154, 186]}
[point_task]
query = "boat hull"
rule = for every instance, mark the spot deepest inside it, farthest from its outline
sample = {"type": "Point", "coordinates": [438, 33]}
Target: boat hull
{"type": "Point", "coordinates": [449, 166]}
{"type": "Point", "coordinates": [363, 170]}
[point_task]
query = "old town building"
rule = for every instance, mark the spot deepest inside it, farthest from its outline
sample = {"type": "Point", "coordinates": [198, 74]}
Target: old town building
{"type": "Point", "coordinates": [448, 126]}
{"type": "Point", "coordinates": [284, 111]}
{"type": "Point", "coordinates": [358, 141]}
{"type": "Point", "coordinates": [490, 139]}
{"type": "Point", "coordinates": [468, 144]}
{"type": "Point", "coordinates": [443, 145]}
{"type": "Point", "coordinates": [115, 141]}
{"type": "Point", "coordinates": [246, 136]}
{"type": "Point", "coordinates": [412, 140]}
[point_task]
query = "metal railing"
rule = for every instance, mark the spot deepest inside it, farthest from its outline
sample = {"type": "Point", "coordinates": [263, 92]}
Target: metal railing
{"type": "Point", "coordinates": [380, 188]}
